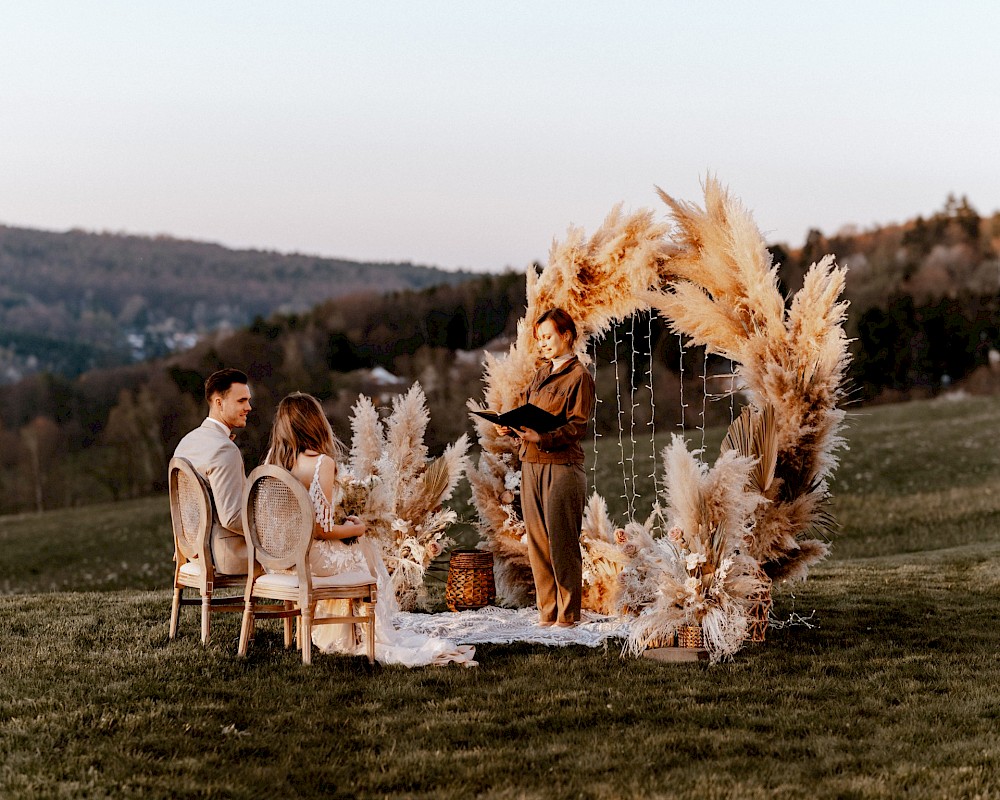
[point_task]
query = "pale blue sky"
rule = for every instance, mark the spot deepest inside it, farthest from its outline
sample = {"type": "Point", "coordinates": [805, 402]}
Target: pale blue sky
{"type": "Point", "coordinates": [470, 134]}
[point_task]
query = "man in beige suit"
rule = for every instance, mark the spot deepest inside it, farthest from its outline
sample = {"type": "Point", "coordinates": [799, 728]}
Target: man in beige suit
{"type": "Point", "coordinates": [211, 451]}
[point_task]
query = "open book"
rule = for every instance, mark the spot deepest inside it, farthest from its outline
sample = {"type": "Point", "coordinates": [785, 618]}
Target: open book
{"type": "Point", "coordinates": [526, 416]}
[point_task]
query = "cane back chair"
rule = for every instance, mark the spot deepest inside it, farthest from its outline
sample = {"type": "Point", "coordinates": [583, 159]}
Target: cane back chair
{"type": "Point", "coordinates": [278, 516]}
{"type": "Point", "coordinates": [191, 518]}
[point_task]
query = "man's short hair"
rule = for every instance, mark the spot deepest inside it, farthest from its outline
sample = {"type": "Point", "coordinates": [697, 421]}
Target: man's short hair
{"type": "Point", "coordinates": [221, 381]}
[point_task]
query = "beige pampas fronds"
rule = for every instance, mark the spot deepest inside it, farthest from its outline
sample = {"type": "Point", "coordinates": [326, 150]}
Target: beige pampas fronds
{"type": "Point", "coordinates": [712, 277]}
{"type": "Point", "coordinates": [696, 574]}
{"type": "Point", "coordinates": [367, 439]}
{"type": "Point", "coordinates": [405, 490]}
{"type": "Point", "coordinates": [601, 280]}
{"type": "Point", "coordinates": [724, 295]}
{"type": "Point", "coordinates": [603, 557]}
{"type": "Point", "coordinates": [405, 429]}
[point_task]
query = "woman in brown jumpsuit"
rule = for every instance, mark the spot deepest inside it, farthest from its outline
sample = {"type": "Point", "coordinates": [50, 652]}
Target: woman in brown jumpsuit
{"type": "Point", "coordinates": [553, 481]}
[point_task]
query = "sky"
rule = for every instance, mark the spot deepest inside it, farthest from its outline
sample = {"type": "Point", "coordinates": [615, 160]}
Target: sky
{"type": "Point", "coordinates": [471, 134]}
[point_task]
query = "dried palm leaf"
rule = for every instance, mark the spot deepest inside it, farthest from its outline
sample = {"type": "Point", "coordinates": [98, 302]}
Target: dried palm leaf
{"type": "Point", "coordinates": [754, 434]}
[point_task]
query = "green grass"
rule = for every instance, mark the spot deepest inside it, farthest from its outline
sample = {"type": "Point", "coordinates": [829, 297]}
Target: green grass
{"type": "Point", "coordinates": [890, 693]}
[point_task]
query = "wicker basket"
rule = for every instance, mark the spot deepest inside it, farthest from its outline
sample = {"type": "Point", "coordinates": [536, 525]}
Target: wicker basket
{"type": "Point", "coordinates": [470, 580]}
{"type": "Point", "coordinates": [690, 636]}
{"type": "Point", "coordinates": [760, 612]}
{"type": "Point", "coordinates": [662, 641]}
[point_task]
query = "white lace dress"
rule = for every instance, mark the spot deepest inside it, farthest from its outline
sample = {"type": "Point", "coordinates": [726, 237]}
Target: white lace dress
{"type": "Point", "coordinates": [392, 646]}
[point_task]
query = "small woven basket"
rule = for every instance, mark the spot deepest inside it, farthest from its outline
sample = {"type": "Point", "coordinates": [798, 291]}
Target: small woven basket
{"type": "Point", "coordinates": [760, 612]}
{"type": "Point", "coordinates": [662, 641]}
{"type": "Point", "coordinates": [690, 636]}
{"type": "Point", "coordinates": [470, 580]}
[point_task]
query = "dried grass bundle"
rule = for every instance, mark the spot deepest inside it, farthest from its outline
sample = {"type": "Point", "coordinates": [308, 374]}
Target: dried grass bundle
{"type": "Point", "coordinates": [696, 574]}
{"type": "Point", "coordinates": [723, 294]}
{"type": "Point", "coordinates": [754, 434]}
{"type": "Point", "coordinates": [405, 491]}
{"type": "Point", "coordinates": [603, 557]}
{"type": "Point", "coordinates": [367, 437]}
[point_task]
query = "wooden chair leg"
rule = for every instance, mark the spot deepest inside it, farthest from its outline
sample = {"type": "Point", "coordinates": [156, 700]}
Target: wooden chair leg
{"type": "Point", "coordinates": [371, 634]}
{"type": "Point", "coordinates": [289, 605]}
{"type": "Point", "coordinates": [305, 635]}
{"type": "Point", "coordinates": [175, 608]}
{"type": "Point", "coordinates": [353, 631]}
{"type": "Point", "coordinates": [246, 627]}
{"type": "Point", "coordinates": [206, 616]}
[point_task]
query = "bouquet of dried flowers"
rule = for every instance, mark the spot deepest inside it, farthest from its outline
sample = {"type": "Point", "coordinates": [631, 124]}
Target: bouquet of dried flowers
{"type": "Point", "coordinates": [400, 491]}
{"type": "Point", "coordinates": [697, 574]}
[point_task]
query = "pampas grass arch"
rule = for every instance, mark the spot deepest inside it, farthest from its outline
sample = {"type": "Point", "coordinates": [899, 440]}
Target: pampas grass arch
{"type": "Point", "coordinates": [723, 532]}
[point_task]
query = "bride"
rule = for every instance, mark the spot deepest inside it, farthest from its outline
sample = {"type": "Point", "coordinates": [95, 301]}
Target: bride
{"type": "Point", "coordinates": [303, 442]}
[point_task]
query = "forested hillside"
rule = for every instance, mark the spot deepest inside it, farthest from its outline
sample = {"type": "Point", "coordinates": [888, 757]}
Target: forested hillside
{"type": "Point", "coordinates": [924, 300]}
{"type": "Point", "coordinates": [75, 301]}
{"type": "Point", "coordinates": [924, 317]}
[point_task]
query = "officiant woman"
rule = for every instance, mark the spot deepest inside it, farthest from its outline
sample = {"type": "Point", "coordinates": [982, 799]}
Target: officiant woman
{"type": "Point", "coordinates": [553, 481]}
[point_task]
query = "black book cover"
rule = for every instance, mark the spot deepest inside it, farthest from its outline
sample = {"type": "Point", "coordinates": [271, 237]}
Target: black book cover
{"type": "Point", "coordinates": [526, 416]}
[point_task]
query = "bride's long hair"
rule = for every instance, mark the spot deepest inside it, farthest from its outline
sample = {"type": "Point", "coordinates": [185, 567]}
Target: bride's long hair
{"type": "Point", "coordinates": [300, 425]}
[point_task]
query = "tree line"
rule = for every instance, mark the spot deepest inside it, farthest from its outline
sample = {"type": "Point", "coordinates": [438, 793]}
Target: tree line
{"type": "Point", "coordinates": [923, 318]}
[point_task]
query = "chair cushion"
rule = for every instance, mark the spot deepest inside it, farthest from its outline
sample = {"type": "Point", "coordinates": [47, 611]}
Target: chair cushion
{"type": "Point", "coordinates": [191, 569]}
{"type": "Point", "coordinates": [281, 580]}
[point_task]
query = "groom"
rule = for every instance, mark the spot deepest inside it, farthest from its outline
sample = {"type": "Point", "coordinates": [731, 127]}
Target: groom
{"type": "Point", "coordinates": [212, 453]}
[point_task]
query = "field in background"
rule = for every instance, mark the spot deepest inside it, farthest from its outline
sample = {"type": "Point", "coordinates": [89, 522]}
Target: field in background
{"type": "Point", "coordinates": [889, 691]}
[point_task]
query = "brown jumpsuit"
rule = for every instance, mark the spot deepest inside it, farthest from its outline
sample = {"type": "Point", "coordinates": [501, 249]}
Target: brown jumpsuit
{"type": "Point", "coordinates": [554, 489]}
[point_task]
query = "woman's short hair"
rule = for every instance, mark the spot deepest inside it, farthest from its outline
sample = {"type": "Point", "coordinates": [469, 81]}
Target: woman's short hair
{"type": "Point", "coordinates": [563, 322]}
{"type": "Point", "coordinates": [300, 425]}
{"type": "Point", "coordinates": [220, 382]}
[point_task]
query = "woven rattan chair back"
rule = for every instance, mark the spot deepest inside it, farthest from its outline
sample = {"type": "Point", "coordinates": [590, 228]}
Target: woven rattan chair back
{"type": "Point", "coordinates": [279, 517]}
{"type": "Point", "coordinates": [191, 516]}
{"type": "Point", "coordinates": [190, 508]}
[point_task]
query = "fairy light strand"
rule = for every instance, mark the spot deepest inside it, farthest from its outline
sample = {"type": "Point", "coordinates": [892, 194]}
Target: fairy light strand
{"type": "Point", "coordinates": [732, 390]}
{"type": "Point", "coordinates": [626, 496]}
{"type": "Point", "coordinates": [634, 501]}
{"type": "Point", "coordinates": [704, 397]}
{"type": "Point", "coordinates": [597, 402]}
{"type": "Point", "coordinates": [680, 344]}
{"type": "Point", "coordinates": [652, 410]}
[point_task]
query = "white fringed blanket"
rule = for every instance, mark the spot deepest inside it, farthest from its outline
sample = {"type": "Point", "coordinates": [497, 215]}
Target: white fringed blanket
{"type": "Point", "coordinates": [493, 625]}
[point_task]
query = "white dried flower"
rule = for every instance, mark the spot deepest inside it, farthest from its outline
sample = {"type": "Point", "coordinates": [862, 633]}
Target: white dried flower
{"type": "Point", "coordinates": [400, 525]}
{"type": "Point", "coordinates": [692, 560]}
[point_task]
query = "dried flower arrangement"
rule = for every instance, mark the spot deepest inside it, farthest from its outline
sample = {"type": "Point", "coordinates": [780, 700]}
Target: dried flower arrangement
{"type": "Point", "coordinates": [698, 573]}
{"type": "Point", "coordinates": [393, 486]}
{"type": "Point", "coordinates": [723, 294]}
{"type": "Point", "coordinates": [713, 279]}
{"type": "Point", "coordinates": [604, 557]}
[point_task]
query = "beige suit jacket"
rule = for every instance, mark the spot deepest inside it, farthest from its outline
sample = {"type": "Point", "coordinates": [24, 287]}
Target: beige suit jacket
{"type": "Point", "coordinates": [218, 459]}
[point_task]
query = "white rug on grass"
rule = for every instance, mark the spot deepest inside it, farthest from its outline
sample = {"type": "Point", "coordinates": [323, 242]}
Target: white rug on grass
{"type": "Point", "coordinates": [492, 625]}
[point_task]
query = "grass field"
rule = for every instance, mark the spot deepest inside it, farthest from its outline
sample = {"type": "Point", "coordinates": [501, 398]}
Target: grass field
{"type": "Point", "coordinates": [890, 692]}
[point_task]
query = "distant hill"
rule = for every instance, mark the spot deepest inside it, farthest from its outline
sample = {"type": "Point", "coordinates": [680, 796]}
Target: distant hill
{"type": "Point", "coordinates": [74, 301]}
{"type": "Point", "coordinates": [924, 318]}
